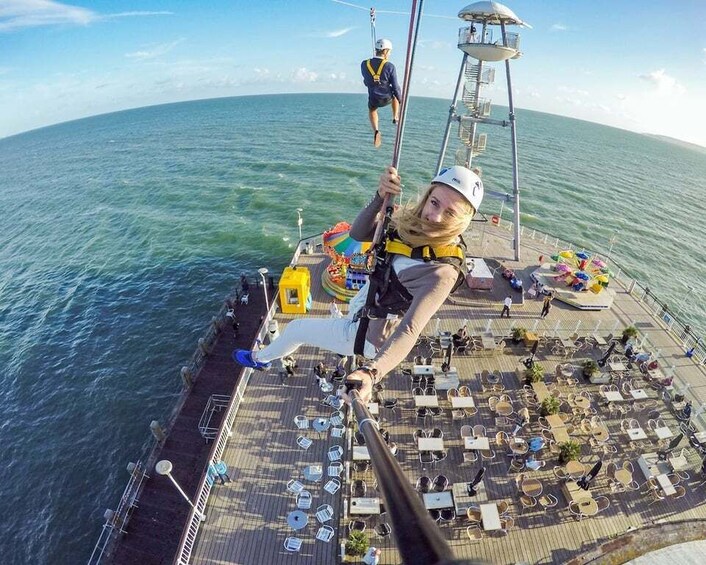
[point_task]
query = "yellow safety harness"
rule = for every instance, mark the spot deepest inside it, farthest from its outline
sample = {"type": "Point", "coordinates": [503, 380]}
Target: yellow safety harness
{"type": "Point", "coordinates": [373, 73]}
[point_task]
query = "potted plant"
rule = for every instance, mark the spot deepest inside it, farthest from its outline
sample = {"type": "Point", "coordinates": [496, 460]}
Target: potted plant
{"type": "Point", "coordinates": [549, 406]}
{"type": "Point", "coordinates": [518, 334]}
{"type": "Point", "coordinates": [569, 451]}
{"type": "Point", "coordinates": [357, 543]}
{"type": "Point", "coordinates": [534, 374]}
{"type": "Point", "coordinates": [590, 368]}
{"type": "Point", "coordinates": [628, 333]}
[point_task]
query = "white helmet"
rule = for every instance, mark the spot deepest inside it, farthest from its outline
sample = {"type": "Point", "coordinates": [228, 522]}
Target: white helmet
{"type": "Point", "coordinates": [381, 44]}
{"type": "Point", "coordinates": [463, 181]}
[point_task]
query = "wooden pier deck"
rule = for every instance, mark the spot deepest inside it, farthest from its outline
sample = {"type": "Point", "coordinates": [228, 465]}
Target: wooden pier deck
{"type": "Point", "coordinates": [247, 518]}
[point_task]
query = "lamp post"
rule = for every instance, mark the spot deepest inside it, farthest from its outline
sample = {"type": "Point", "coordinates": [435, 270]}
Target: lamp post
{"type": "Point", "coordinates": [263, 271]}
{"type": "Point", "coordinates": [164, 467]}
{"type": "Point", "coordinates": [299, 222]}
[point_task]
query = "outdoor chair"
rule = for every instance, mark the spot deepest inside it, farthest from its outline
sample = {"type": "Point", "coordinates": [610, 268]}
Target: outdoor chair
{"type": "Point", "coordinates": [466, 431]}
{"type": "Point", "coordinates": [423, 484]}
{"type": "Point", "coordinates": [304, 442]}
{"type": "Point", "coordinates": [474, 533]}
{"type": "Point", "coordinates": [603, 502]}
{"type": "Point", "coordinates": [503, 507]}
{"type": "Point", "coordinates": [425, 457]}
{"type": "Point", "coordinates": [492, 402]}
{"type": "Point", "coordinates": [358, 488]}
{"type": "Point", "coordinates": [448, 514]}
{"type": "Point", "coordinates": [304, 500]}
{"type": "Point", "coordinates": [435, 515]}
{"type": "Point", "coordinates": [436, 433]}
{"type": "Point", "coordinates": [335, 453]}
{"type": "Point", "coordinates": [575, 511]}
{"type": "Point", "coordinates": [439, 456]}
{"type": "Point", "coordinates": [517, 464]}
{"type": "Point", "coordinates": [361, 466]}
{"type": "Point", "coordinates": [560, 472]}
{"type": "Point", "coordinates": [464, 391]}
{"type": "Point", "coordinates": [324, 513]}
{"type": "Point", "coordinates": [292, 544]}
{"type": "Point", "coordinates": [335, 469]}
{"type": "Point", "coordinates": [383, 529]}
{"type": "Point", "coordinates": [332, 486]}
{"type": "Point", "coordinates": [487, 454]}
{"type": "Point", "coordinates": [527, 501]}
{"type": "Point", "coordinates": [681, 491]}
{"type": "Point", "coordinates": [302, 422]}
{"type": "Point", "coordinates": [295, 487]}
{"type": "Point", "coordinates": [547, 501]}
{"type": "Point", "coordinates": [470, 411]}
{"type": "Point", "coordinates": [325, 534]}
{"type": "Point", "coordinates": [356, 526]}
{"type": "Point", "coordinates": [423, 413]}
{"type": "Point", "coordinates": [473, 514]}
{"type": "Point", "coordinates": [479, 430]}
{"type": "Point", "coordinates": [440, 483]}
{"type": "Point", "coordinates": [452, 393]}
{"type": "Point", "coordinates": [506, 524]}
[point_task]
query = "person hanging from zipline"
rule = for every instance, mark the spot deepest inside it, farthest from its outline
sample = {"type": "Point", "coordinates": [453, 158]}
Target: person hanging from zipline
{"type": "Point", "coordinates": [380, 76]}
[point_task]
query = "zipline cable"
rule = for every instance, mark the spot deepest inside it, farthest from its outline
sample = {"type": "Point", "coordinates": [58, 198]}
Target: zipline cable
{"type": "Point", "coordinates": [373, 37]}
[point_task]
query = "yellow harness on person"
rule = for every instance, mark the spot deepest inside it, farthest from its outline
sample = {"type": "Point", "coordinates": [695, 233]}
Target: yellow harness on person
{"type": "Point", "coordinates": [425, 252]}
{"type": "Point", "coordinates": [373, 73]}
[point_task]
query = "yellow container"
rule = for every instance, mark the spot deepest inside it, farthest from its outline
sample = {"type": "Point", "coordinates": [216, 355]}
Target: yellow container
{"type": "Point", "coordinates": [294, 290]}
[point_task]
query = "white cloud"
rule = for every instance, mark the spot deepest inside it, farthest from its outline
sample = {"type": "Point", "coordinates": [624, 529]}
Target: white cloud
{"type": "Point", "coordinates": [664, 83]}
{"type": "Point", "coordinates": [18, 14]}
{"type": "Point", "coordinates": [571, 90]}
{"type": "Point", "coordinates": [302, 74]}
{"type": "Point", "coordinates": [154, 52]}
{"type": "Point", "coordinates": [339, 33]}
{"type": "Point", "coordinates": [559, 27]}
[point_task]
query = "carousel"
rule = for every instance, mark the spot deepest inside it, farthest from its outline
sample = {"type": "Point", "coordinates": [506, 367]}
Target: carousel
{"type": "Point", "coordinates": [338, 279]}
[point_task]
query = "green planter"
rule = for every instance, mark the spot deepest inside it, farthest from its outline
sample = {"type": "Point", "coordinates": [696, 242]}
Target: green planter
{"type": "Point", "coordinates": [569, 451]}
{"type": "Point", "coordinates": [357, 543]}
{"type": "Point", "coordinates": [549, 406]}
{"type": "Point", "coordinates": [534, 374]}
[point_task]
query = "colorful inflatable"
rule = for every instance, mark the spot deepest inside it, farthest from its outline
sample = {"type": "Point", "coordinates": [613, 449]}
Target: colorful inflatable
{"type": "Point", "coordinates": [580, 271]}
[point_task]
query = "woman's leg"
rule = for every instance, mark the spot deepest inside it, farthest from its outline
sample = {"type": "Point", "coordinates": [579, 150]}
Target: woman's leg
{"type": "Point", "coordinates": [332, 334]}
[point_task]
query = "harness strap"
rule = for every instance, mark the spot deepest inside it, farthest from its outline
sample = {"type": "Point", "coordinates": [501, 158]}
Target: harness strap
{"type": "Point", "coordinates": [425, 252]}
{"type": "Point", "coordinates": [375, 74]}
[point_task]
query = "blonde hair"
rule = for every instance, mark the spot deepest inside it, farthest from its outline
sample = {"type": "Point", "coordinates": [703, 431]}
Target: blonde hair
{"type": "Point", "coordinates": [416, 231]}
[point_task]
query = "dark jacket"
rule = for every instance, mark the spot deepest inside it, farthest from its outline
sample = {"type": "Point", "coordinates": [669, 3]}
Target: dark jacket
{"type": "Point", "coordinates": [388, 85]}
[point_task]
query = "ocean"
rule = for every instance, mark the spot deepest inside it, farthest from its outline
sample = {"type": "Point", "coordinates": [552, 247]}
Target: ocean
{"type": "Point", "coordinates": [123, 233]}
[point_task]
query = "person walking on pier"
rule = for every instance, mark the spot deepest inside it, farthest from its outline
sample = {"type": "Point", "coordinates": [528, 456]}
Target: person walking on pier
{"type": "Point", "coordinates": [506, 306]}
{"type": "Point", "coordinates": [546, 305]}
{"type": "Point", "coordinates": [418, 285]}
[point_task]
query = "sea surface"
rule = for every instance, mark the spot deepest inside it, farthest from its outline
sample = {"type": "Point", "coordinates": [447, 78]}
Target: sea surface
{"type": "Point", "coordinates": [122, 234]}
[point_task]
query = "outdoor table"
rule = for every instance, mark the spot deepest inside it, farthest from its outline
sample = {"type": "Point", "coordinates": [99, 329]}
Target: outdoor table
{"type": "Point", "coordinates": [599, 339]}
{"type": "Point", "coordinates": [613, 396]}
{"type": "Point", "coordinates": [364, 506]}
{"type": "Point", "coordinates": [360, 453]}
{"type": "Point", "coordinates": [321, 424]}
{"type": "Point", "coordinates": [636, 434]}
{"type": "Point", "coordinates": [599, 433]}
{"type": "Point", "coordinates": [541, 391]}
{"type": "Point", "coordinates": [532, 487]}
{"type": "Point", "coordinates": [623, 476]}
{"type": "Point", "coordinates": [504, 408]}
{"type": "Point", "coordinates": [663, 432]}
{"type": "Point", "coordinates": [638, 394]}
{"type": "Point", "coordinates": [617, 367]}
{"type": "Point", "coordinates": [518, 446]}
{"type": "Point", "coordinates": [437, 500]}
{"type": "Point", "coordinates": [373, 408]}
{"type": "Point", "coordinates": [473, 443]}
{"type": "Point", "coordinates": [560, 435]}
{"type": "Point", "coordinates": [462, 402]}
{"type": "Point", "coordinates": [488, 342]}
{"type": "Point", "coordinates": [426, 400]}
{"type": "Point", "coordinates": [297, 519]}
{"type": "Point", "coordinates": [313, 472]}
{"type": "Point", "coordinates": [575, 469]}
{"type": "Point", "coordinates": [666, 485]}
{"type": "Point", "coordinates": [430, 444]}
{"type": "Point", "coordinates": [574, 493]}
{"type": "Point", "coordinates": [651, 465]}
{"type": "Point", "coordinates": [463, 501]}
{"type": "Point", "coordinates": [325, 386]}
{"type": "Point", "coordinates": [555, 421]}
{"type": "Point", "coordinates": [582, 402]}
{"type": "Point", "coordinates": [422, 370]}
{"type": "Point", "coordinates": [490, 516]}
{"type": "Point", "coordinates": [700, 437]}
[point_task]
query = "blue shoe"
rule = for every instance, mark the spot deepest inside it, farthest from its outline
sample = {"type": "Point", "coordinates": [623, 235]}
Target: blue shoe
{"type": "Point", "coordinates": [244, 357]}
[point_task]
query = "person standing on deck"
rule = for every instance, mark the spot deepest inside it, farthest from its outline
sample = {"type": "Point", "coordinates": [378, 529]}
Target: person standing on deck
{"type": "Point", "coordinates": [380, 76]}
{"type": "Point", "coordinates": [506, 306]}
{"type": "Point", "coordinates": [546, 305]}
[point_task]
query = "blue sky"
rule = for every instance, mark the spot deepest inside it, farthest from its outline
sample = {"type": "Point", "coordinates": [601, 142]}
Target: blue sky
{"type": "Point", "coordinates": [633, 64]}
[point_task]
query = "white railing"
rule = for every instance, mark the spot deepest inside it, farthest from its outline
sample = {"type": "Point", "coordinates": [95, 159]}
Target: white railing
{"type": "Point", "coordinates": [216, 402]}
